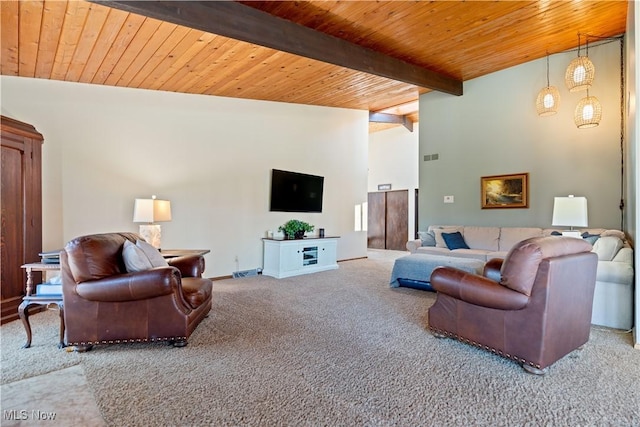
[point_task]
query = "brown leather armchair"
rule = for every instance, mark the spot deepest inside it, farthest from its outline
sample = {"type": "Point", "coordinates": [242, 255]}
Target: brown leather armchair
{"type": "Point", "coordinates": [104, 304]}
{"type": "Point", "coordinates": [534, 307]}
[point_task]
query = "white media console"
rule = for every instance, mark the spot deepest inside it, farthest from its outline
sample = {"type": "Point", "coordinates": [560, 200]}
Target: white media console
{"type": "Point", "coordinates": [286, 258]}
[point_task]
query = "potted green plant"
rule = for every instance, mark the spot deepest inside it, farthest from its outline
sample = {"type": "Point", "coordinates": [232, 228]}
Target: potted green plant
{"type": "Point", "coordinates": [295, 229]}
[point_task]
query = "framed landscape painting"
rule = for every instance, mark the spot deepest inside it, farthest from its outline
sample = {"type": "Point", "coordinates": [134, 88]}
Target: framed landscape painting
{"type": "Point", "coordinates": [505, 191]}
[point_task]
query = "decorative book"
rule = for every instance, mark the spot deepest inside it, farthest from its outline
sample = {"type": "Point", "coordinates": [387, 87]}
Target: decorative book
{"type": "Point", "coordinates": [48, 289]}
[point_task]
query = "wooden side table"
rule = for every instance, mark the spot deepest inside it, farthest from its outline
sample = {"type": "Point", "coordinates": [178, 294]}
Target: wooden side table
{"type": "Point", "coordinates": [37, 301]}
{"type": "Point", "coordinates": [172, 253]}
{"type": "Point", "coordinates": [31, 300]}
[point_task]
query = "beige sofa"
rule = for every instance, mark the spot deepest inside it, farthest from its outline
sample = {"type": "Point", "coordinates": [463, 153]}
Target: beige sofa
{"type": "Point", "coordinates": [613, 298]}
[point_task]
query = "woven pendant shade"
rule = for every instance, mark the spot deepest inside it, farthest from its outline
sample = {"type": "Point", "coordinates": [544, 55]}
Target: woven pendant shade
{"type": "Point", "coordinates": [579, 75]}
{"type": "Point", "coordinates": [548, 98]}
{"type": "Point", "coordinates": [547, 101]}
{"type": "Point", "coordinates": [588, 112]}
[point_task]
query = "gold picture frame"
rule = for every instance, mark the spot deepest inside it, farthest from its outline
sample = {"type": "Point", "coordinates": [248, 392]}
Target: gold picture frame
{"type": "Point", "coordinates": [505, 191]}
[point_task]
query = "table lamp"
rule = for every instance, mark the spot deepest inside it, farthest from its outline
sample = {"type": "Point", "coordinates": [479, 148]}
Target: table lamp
{"type": "Point", "coordinates": [150, 211]}
{"type": "Point", "coordinates": [570, 212]}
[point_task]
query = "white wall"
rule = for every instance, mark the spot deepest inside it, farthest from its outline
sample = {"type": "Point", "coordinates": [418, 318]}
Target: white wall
{"type": "Point", "coordinates": [493, 129]}
{"type": "Point", "coordinates": [393, 159]}
{"type": "Point", "coordinates": [211, 156]}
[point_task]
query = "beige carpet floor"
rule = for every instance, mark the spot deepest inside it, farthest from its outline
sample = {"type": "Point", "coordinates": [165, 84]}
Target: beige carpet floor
{"type": "Point", "coordinates": [58, 398]}
{"type": "Point", "coordinates": [333, 348]}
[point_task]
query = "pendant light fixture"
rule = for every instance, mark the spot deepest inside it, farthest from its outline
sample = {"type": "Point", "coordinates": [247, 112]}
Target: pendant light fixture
{"type": "Point", "coordinates": [588, 112]}
{"type": "Point", "coordinates": [548, 98]}
{"type": "Point", "coordinates": [580, 72]}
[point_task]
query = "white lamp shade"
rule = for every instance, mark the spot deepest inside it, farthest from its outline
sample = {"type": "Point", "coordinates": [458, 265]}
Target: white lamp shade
{"type": "Point", "coordinates": [151, 210]}
{"type": "Point", "coordinates": [570, 211]}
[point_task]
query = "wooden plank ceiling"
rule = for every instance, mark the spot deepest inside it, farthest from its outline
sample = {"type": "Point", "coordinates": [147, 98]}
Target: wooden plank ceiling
{"type": "Point", "coordinates": [93, 43]}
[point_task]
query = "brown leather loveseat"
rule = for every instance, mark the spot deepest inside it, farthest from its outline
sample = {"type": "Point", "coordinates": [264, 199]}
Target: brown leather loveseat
{"type": "Point", "coordinates": [103, 303]}
{"type": "Point", "coordinates": [534, 307]}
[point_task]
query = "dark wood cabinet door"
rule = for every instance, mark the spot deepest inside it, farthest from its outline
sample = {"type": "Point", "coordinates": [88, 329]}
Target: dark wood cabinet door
{"type": "Point", "coordinates": [21, 197]}
{"type": "Point", "coordinates": [376, 219]}
{"type": "Point", "coordinates": [397, 220]}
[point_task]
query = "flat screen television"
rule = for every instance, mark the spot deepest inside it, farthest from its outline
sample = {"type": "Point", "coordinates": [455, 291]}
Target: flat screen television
{"type": "Point", "coordinates": [295, 192]}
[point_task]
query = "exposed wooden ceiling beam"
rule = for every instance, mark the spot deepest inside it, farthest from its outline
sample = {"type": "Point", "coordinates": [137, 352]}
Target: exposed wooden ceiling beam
{"type": "Point", "coordinates": [391, 118]}
{"type": "Point", "coordinates": [240, 22]}
{"type": "Point", "coordinates": [402, 109]}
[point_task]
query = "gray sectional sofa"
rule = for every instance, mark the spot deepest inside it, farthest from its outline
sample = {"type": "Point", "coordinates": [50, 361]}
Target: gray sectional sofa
{"type": "Point", "coordinates": [613, 298]}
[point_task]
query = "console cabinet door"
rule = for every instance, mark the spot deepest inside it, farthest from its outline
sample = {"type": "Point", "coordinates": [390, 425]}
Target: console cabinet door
{"type": "Point", "coordinates": [291, 257]}
{"type": "Point", "coordinates": [327, 253]}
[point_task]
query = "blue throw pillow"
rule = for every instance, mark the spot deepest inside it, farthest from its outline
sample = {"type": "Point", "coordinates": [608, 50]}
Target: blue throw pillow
{"type": "Point", "coordinates": [428, 238]}
{"type": "Point", "coordinates": [591, 238]}
{"type": "Point", "coordinates": [454, 240]}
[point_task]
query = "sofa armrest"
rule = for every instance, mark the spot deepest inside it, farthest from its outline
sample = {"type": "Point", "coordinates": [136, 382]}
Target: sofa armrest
{"type": "Point", "coordinates": [189, 265]}
{"type": "Point", "coordinates": [131, 286]}
{"type": "Point", "coordinates": [476, 289]}
{"type": "Point", "coordinates": [413, 245]}
{"type": "Point", "coordinates": [624, 255]}
{"type": "Point", "coordinates": [615, 272]}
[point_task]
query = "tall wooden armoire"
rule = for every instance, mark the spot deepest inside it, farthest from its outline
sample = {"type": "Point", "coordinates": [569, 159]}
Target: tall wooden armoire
{"type": "Point", "coordinates": [21, 195]}
{"type": "Point", "coordinates": [388, 220]}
